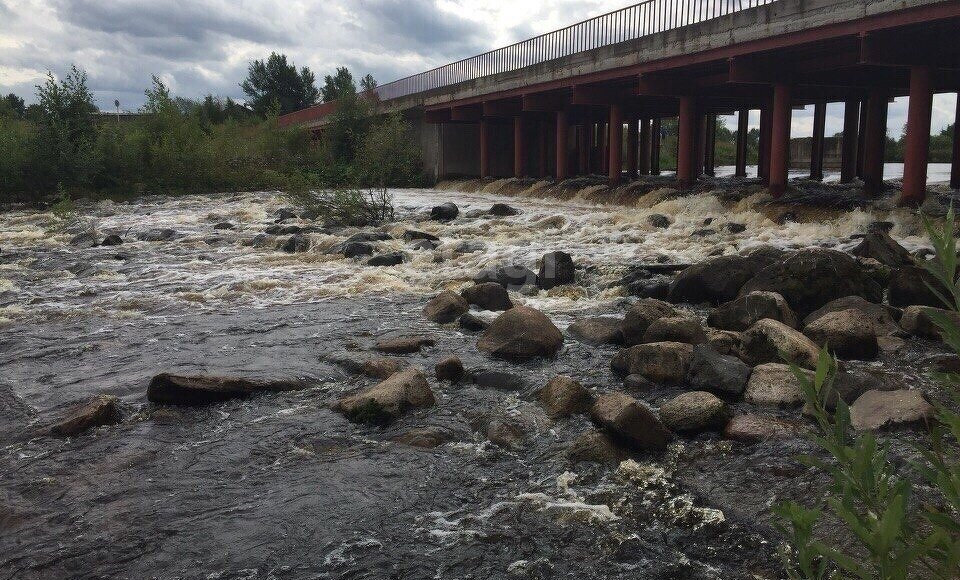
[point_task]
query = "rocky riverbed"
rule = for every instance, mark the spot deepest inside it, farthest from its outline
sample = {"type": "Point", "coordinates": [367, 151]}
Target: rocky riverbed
{"type": "Point", "coordinates": [500, 384]}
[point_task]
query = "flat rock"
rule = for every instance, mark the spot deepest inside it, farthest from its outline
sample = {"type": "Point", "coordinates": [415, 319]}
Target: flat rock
{"type": "Point", "coordinates": [694, 412]}
{"type": "Point", "coordinates": [101, 410]}
{"type": "Point", "coordinates": [886, 409]}
{"type": "Point", "coordinates": [774, 384]}
{"type": "Point", "coordinates": [772, 341]}
{"type": "Point", "coordinates": [424, 438]}
{"type": "Point", "coordinates": [675, 329]}
{"type": "Point", "coordinates": [388, 400]}
{"type": "Point", "coordinates": [499, 380]}
{"type": "Point", "coordinates": [488, 296]}
{"type": "Point", "coordinates": [756, 428]}
{"type": "Point", "coordinates": [631, 422]}
{"type": "Point", "coordinates": [878, 314]}
{"type": "Point", "coordinates": [157, 235]}
{"type": "Point", "coordinates": [563, 396]}
{"type": "Point", "coordinates": [745, 311]}
{"type": "Point", "coordinates": [521, 333]}
{"type": "Point", "coordinates": [445, 307]}
{"type": "Point", "coordinates": [717, 373]}
{"type": "Point", "coordinates": [597, 330]}
{"type": "Point", "coordinates": [167, 389]}
{"type": "Point", "coordinates": [660, 362]}
{"type": "Point", "coordinates": [403, 344]}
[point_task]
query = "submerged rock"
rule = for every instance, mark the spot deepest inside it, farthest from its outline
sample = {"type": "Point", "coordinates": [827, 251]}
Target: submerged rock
{"type": "Point", "coordinates": [167, 389]}
{"type": "Point", "coordinates": [102, 410]}
{"type": "Point", "coordinates": [556, 269]}
{"type": "Point", "coordinates": [521, 333]}
{"type": "Point", "coordinates": [745, 311]}
{"type": "Point", "coordinates": [563, 396]}
{"type": "Point", "coordinates": [157, 235]}
{"type": "Point", "coordinates": [388, 400]}
{"type": "Point", "coordinates": [694, 412]}
{"type": "Point", "coordinates": [630, 421]}
{"type": "Point", "coordinates": [660, 362]}
{"type": "Point", "coordinates": [597, 330]}
{"type": "Point", "coordinates": [876, 410]}
{"type": "Point", "coordinates": [503, 210]}
{"type": "Point", "coordinates": [403, 344]}
{"type": "Point", "coordinates": [389, 259]}
{"type": "Point", "coordinates": [412, 235]}
{"type": "Point", "coordinates": [112, 240]}
{"type": "Point", "coordinates": [296, 243]}
{"type": "Point", "coordinates": [512, 277]}
{"type": "Point", "coordinates": [445, 307]}
{"type": "Point", "coordinates": [450, 369]}
{"type": "Point", "coordinates": [472, 323]}
{"type": "Point", "coordinates": [382, 367]}
{"type": "Point", "coordinates": [499, 380]}
{"type": "Point", "coordinates": [425, 438]}
{"type": "Point", "coordinates": [84, 240]}
{"type": "Point", "coordinates": [658, 221]}
{"type": "Point", "coordinates": [488, 296]}
{"type": "Point", "coordinates": [772, 341]}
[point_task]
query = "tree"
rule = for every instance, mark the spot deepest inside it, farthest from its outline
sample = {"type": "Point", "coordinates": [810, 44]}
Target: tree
{"type": "Point", "coordinates": [387, 155]}
{"type": "Point", "coordinates": [12, 106]}
{"type": "Point", "coordinates": [368, 83]}
{"type": "Point", "coordinates": [339, 85]}
{"type": "Point", "coordinates": [275, 82]}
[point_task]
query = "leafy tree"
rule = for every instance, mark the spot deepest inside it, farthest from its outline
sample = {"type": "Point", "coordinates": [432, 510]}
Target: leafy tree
{"type": "Point", "coordinates": [275, 81]}
{"type": "Point", "coordinates": [339, 85]}
{"type": "Point", "coordinates": [388, 155]}
{"type": "Point", "coordinates": [12, 106]}
{"type": "Point", "coordinates": [344, 135]}
{"type": "Point", "coordinates": [368, 83]}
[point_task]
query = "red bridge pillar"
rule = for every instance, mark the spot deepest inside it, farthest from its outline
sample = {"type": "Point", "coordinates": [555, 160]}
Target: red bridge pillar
{"type": "Point", "coordinates": [687, 142]}
{"type": "Point", "coordinates": [874, 141]}
{"type": "Point", "coordinates": [562, 139]}
{"type": "Point", "coordinates": [645, 147]}
{"type": "Point", "coordinates": [484, 148]}
{"type": "Point", "coordinates": [519, 148]}
{"type": "Point", "coordinates": [848, 156]}
{"type": "Point", "coordinates": [916, 146]}
{"type": "Point", "coordinates": [763, 169]}
{"type": "Point", "coordinates": [615, 132]}
{"type": "Point", "coordinates": [743, 127]}
{"type": "Point", "coordinates": [780, 139]}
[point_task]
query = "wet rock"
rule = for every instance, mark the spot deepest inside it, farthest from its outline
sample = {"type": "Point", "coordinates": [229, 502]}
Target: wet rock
{"type": "Point", "coordinates": [389, 259]}
{"type": "Point", "coordinates": [512, 277]}
{"type": "Point", "coordinates": [772, 341]}
{"type": "Point", "coordinates": [846, 332]}
{"type": "Point", "coordinates": [505, 434]}
{"type": "Point", "coordinates": [661, 362]}
{"type": "Point", "coordinates": [224, 226]}
{"type": "Point", "coordinates": [641, 315]}
{"type": "Point", "coordinates": [470, 247]}
{"type": "Point", "coordinates": [876, 410]}
{"type": "Point", "coordinates": [675, 329]}
{"type": "Point", "coordinates": [745, 311]}
{"type": "Point", "coordinates": [355, 249]}
{"type": "Point", "coordinates": [84, 240]}
{"type": "Point", "coordinates": [714, 280]}
{"type": "Point", "coordinates": [702, 233]}
{"type": "Point", "coordinates": [756, 428]}
{"type": "Point", "coordinates": [102, 410]}
{"type": "Point", "coordinates": [556, 269]}
{"type": "Point", "coordinates": [488, 296]}
{"type": "Point", "coordinates": [529, 290]}
{"type": "Point", "coordinates": [296, 243]}
{"type": "Point", "coordinates": [563, 397]}
{"type": "Point", "coordinates": [658, 221]}
{"type": "Point", "coordinates": [631, 422]}
{"type": "Point", "coordinates": [389, 399]}
{"type": "Point", "coordinates": [278, 230]}
{"type": "Point", "coordinates": [813, 277]}
{"type": "Point", "coordinates": [916, 320]}
{"type": "Point", "coordinates": [157, 235]}
{"type": "Point", "coordinates": [284, 213]}
{"type": "Point", "coordinates": [190, 391]}
{"type": "Point", "coordinates": [503, 210]}
{"type": "Point", "coordinates": [774, 384]}
{"type": "Point", "coordinates": [263, 241]}
{"type": "Point", "coordinates": [878, 244]}
{"type": "Point", "coordinates": [910, 286]}
{"type": "Point", "coordinates": [445, 307]}
{"type": "Point", "coordinates": [450, 369]}
{"type": "Point", "coordinates": [369, 237]}
{"type": "Point", "coordinates": [735, 228]}
{"type": "Point", "coordinates": [876, 314]}
{"type": "Point", "coordinates": [382, 367]}
{"type": "Point", "coordinates": [411, 235]}
{"type": "Point", "coordinates": [694, 412]}
{"type": "Point", "coordinates": [637, 383]}
{"type": "Point", "coordinates": [724, 341]}
{"type": "Point", "coordinates": [424, 245]}
{"type": "Point", "coordinates": [472, 323]}
{"type": "Point", "coordinates": [445, 212]}
{"type": "Point", "coordinates": [498, 380]}
{"type": "Point", "coordinates": [597, 330]}
{"type": "Point", "coordinates": [403, 344]}
{"type": "Point", "coordinates": [425, 438]}
{"type": "Point", "coordinates": [786, 217]}
{"type": "Point", "coordinates": [717, 373]}
{"type": "Point", "coordinates": [596, 447]}
{"type": "Point", "coordinates": [521, 333]}
{"type": "Point", "coordinates": [112, 240]}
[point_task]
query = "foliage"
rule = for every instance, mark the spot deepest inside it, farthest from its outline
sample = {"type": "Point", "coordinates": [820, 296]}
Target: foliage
{"type": "Point", "coordinates": [343, 136]}
{"type": "Point", "coordinates": [339, 85]}
{"type": "Point", "coordinates": [345, 206]}
{"type": "Point", "coordinates": [368, 83]}
{"type": "Point", "coordinates": [275, 83]}
{"type": "Point", "coordinates": [868, 494]}
{"type": "Point", "coordinates": [12, 106]}
{"type": "Point", "coordinates": [387, 154]}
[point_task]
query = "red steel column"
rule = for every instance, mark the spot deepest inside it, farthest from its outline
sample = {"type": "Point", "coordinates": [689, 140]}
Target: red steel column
{"type": "Point", "coordinates": [655, 147]}
{"type": "Point", "coordinates": [763, 166]}
{"type": "Point", "coordinates": [687, 142]}
{"type": "Point", "coordinates": [484, 148]}
{"type": "Point", "coordinates": [615, 133]}
{"type": "Point", "coordinates": [633, 146]}
{"type": "Point", "coordinates": [874, 142]}
{"type": "Point", "coordinates": [955, 167]}
{"type": "Point", "coordinates": [848, 157]}
{"type": "Point", "coordinates": [519, 148]}
{"type": "Point", "coordinates": [743, 127]}
{"type": "Point", "coordinates": [780, 139]}
{"type": "Point", "coordinates": [645, 147]}
{"type": "Point", "coordinates": [562, 158]}
{"type": "Point", "coordinates": [916, 143]}
{"type": "Point", "coordinates": [816, 144]}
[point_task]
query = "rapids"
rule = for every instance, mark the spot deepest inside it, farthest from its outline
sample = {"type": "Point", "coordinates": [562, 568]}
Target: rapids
{"type": "Point", "coordinates": [279, 486]}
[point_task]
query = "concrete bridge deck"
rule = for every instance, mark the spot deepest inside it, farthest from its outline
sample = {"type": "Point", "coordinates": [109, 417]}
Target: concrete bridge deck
{"type": "Point", "coordinates": [590, 98]}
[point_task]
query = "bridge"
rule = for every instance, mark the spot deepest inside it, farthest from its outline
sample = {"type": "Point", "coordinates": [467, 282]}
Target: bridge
{"type": "Point", "coordinates": [590, 98]}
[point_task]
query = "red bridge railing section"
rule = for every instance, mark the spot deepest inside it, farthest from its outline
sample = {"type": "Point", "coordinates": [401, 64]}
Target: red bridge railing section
{"type": "Point", "coordinates": [629, 23]}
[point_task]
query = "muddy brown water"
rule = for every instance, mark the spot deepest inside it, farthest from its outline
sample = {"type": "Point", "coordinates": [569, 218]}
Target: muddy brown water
{"type": "Point", "coordinates": [279, 486]}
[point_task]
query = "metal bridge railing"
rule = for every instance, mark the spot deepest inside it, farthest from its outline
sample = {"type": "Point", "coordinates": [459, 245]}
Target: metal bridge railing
{"type": "Point", "coordinates": [633, 22]}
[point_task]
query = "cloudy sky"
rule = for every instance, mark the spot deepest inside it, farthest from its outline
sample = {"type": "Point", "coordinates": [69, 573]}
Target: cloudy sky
{"type": "Point", "coordinates": [204, 46]}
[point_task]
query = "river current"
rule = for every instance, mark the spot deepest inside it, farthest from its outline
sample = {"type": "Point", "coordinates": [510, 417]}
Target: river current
{"type": "Point", "coordinates": [280, 486]}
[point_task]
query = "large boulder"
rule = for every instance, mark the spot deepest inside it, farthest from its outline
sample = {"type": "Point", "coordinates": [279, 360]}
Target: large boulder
{"type": "Point", "coordinates": [744, 311]}
{"type": "Point", "coordinates": [917, 320]}
{"type": "Point", "coordinates": [877, 314]}
{"type": "Point", "coordinates": [388, 400]}
{"type": "Point", "coordinates": [641, 315]}
{"type": "Point", "coordinates": [810, 278]}
{"type": "Point", "coordinates": [885, 409]}
{"type": "Point", "coordinates": [660, 362]}
{"type": "Point", "coordinates": [296, 243]}
{"type": "Point", "coordinates": [774, 384]}
{"type": "Point", "coordinates": [772, 341]}
{"type": "Point", "coordinates": [556, 269]}
{"type": "Point", "coordinates": [847, 334]}
{"type": "Point", "coordinates": [521, 333]}
{"type": "Point", "coordinates": [488, 296]}
{"type": "Point", "coordinates": [717, 373]}
{"type": "Point", "coordinates": [910, 285]}
{"type": "Point", "coordinates": [191, 391]}
{"type": "Point", "coordinates": [101, 410]}
{"type": "Point", "coordinates": [597, 330]}
{"type": "Point", "coordinates": [388, 259]}
{"type": "Point", "coordinates": [715, 280]}
{"type": "Point", "coordinates": [756, 428]}
{"type": "Point", "coordinates": [630, 421]}
{"type": "Point", "coordinates": [450, 369]}
{"type": "Point", "coordinates": [675, 329]}
{"type": "Point", "coordinates": [502, 210]}
{"type": "Point", "coordinates": [563, 396]}
{"type": "Point", "coordinates": [878, 244]}
{"type": "Point", "coordinates": [445, 212]}
{"type": "Point", "coordinates": [512, 277]}
{"type": "Point", "coordinates": [445, 307]}
{"type": "Point", "coordinates": [694, 412]}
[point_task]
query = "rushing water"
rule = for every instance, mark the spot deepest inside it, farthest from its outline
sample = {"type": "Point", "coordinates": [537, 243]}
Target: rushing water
{"type": "Point", "coordinates": [279, 486]}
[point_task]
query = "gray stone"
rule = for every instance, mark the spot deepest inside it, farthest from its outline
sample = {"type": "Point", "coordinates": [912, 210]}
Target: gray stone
{"type": "Point", "coordinates": [597, 330]}
{"type": "Point", "coordinates": [876, 410]}
{"type": "Point", "coordinates": [675, 329]}
{"type": "Point", "coordinates": [745, 311]}
{"type": "Point", "coordinates": [388, 400]}
{"type": "Point", "coordinates": [714, 372]}
{"type": "Point", "coordinates": [772, 341]}
{"type": "Point", "coordinates": [660, 362]}
{"type": "Point", "coordinates": [101, 410]}
{"type": "Point", "coordinates": [631, 422]}
{"type": "Point", "coordinates": [450, 369]}
{"type": "Point", "coordinates": [556, 269]}
{"type": "Point", "coordinates": [847, 333]}
{"type": "Point", "coordinates": [488, 296]}
{"type": "Point", "coordinates": [641, 315]}
{"type": "Point", "coordinates": [774, 384]}
{"type": "Point", "coordinates": [167, 389]}
{"type": "Point", "coordinates": [445, 307]}
{"type": "Point", "coordinates": [694, 412]}
{"type": "Point", "coordinates": [403, 344]}
{"type": "Point", "coordinates": [563, 396]}
{"type": "Point", "coordinates": [521, 333]}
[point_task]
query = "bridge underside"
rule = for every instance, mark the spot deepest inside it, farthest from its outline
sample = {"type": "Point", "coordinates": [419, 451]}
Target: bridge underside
{"type": "Point", "coordinates": [609, 122]}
